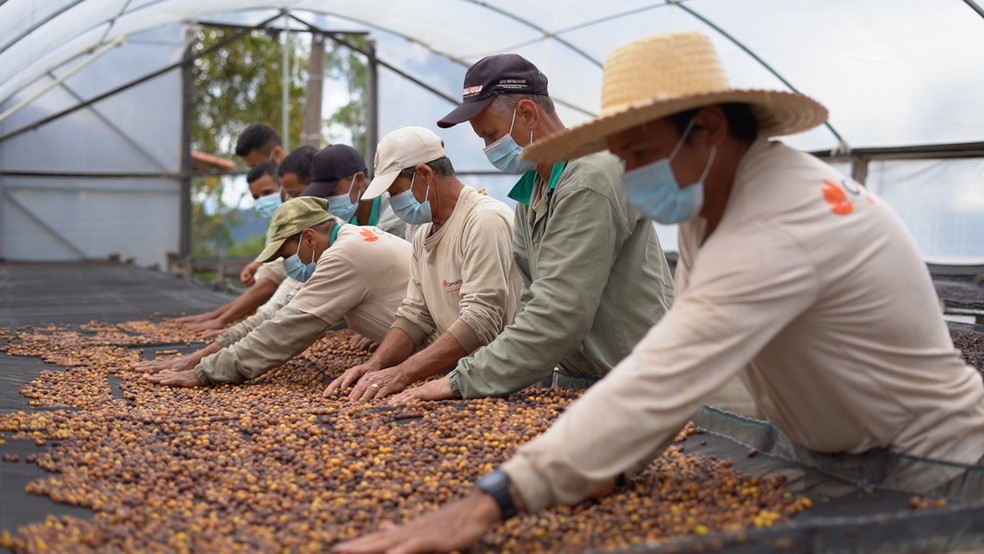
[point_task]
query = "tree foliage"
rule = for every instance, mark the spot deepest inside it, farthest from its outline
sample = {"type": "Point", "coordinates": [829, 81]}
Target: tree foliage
{"type": "Point", "coordinates": [242, 83]}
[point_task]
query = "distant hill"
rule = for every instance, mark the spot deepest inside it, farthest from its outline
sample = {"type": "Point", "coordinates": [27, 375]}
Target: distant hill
{"type": "Point", "coordinates": [252, 225]}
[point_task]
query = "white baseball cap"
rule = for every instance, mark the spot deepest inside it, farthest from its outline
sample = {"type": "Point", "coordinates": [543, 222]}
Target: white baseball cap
{"type": "Point", "coordinates": [401, 149]}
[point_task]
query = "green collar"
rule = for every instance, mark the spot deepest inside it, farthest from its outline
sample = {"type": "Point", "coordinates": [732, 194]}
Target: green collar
{"type": "Point", "coordinates": [373, 215]}
{"type": "Point", "coordinates": [523, 191]}
{"type": "Point", "coordinates": [334, 233]}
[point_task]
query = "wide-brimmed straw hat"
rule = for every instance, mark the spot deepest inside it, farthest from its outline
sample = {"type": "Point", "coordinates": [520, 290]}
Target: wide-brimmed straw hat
{"type": "Point", "coordinates": [665, 74]}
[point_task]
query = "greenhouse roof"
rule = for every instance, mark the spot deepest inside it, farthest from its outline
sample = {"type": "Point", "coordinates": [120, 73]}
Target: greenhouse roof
{"type": "Point", "coordinates": [892, 72]}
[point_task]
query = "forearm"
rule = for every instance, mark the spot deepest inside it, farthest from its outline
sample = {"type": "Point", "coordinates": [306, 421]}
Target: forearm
{"type": "Point", "coordinates": [442, 354]}
{"type": "Point", "coordinates": [395, 348]}
{"type": "Point", "coordinates": [235, 333]}
{"type": "Point", "coordinates": [271, 344]}
{"type": "Point", "coordinates": [247, 303]}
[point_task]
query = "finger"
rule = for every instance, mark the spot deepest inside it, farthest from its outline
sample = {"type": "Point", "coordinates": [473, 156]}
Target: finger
{"type": "Point", "coordinates": [370, 392]}
{"type": "Point", "coordinates": [376, 542]}
{"type": "Point", "coordinates": [358, 391]}
{"type": "Point", "coordinates": [333, 386]}
{"type": "Point", "coordinates": [402, 398]}
{"type": "Point", "coordinates": [414, 544]}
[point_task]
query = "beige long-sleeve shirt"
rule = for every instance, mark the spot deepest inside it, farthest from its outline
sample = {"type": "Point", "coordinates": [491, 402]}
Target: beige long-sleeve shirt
{"type": "Point", "coordinates": [813, 291]}
{"type": "Point", "coordinates": [273, 271]}
{"type": "Point", "coordinates": [361, 278]}
{"type": "Point", "coordinates": [463, 279]}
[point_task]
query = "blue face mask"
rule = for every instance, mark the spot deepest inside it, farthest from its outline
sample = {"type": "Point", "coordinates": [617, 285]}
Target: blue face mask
{"type": "Point", "coordinates": [296, 268]}
{"type": "Point", "coordinates": [406, 207]}
{"type": "Point", "coordinates": [504, 153]}
{"type": "Point", "coordinates": [654, 190]}
{"type": "Point", "coordinates": [342, 207]}
{"type": "Point", "coordinates": [267, 205]}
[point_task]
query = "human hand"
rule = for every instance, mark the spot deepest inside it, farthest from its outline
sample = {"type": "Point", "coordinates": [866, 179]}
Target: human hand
{"type": "Point", "coordinates": [456, 526]}
{"type": "Point", "coordinates": [363, 343]}
{"type": "Point", "coordinates": [350, 377]}
{"type": "Point", "coordinates": [211, 334]}
{"type": "Point", "coordinates": [166, 364]}
{"type": "Point", "coordinates": [207, 325]}
{"type": "Point", "coordinates": [185, 378]}
{"type": "Point", "coordinates": [438, 389]}
{"type": "Point", "coordinates": [379, 384]}
{"type": "Point", "coordinates": [192, 318]}
{"type": "Point", "coordinates": [248, 274]}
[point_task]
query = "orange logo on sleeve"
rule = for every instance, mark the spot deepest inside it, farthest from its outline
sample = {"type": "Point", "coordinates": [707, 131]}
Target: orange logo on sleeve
{"type": "Point", "coordinates": [368, 235]}
{"type": "Point", "coordinates": [837, 198]}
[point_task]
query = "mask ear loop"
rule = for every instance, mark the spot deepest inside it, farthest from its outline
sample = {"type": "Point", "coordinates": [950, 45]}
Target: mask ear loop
{"type": "Point", "coordinates": [683, 138]}
{"type": "Point", "coordinates": [710, 162]}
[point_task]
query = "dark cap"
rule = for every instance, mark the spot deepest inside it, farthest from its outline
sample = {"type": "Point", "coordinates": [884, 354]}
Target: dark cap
{"type": "Point", "coordinates": [492, 75]}
{"type": "Point", "coordinates": [330, 164]}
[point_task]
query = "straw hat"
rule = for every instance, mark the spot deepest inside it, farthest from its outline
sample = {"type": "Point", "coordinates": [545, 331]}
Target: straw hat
{"type": "Point", "coordinates": [661, 75]}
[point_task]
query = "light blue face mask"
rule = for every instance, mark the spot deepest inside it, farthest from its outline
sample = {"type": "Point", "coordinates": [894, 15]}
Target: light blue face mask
{"type": "Point", "coordinates": [296, 268]}
{"type": "Point", "coordinates": [504, 153]}
{"type": "Point", "coordinates": [341, 206]}
{"type": "Point", "coordinates": [406, 207]}
{"type": "Point", "coordinates": [267, 205]}
{"type": "Point", "coordinates": [654, 190]}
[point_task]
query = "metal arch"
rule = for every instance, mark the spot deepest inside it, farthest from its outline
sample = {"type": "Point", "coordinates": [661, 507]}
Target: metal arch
{"type": "Point", "coordinates": [584, 25]}
{"type": "Point", "coordinates": [546, 34]}
{"type": "Point", "coordinates": [171, 67]}
{"type": "Point", "coordinates": [460, 61]}
{"type": "Point", "coordinates": [38, 25]}
{"type": "Point", "coordinates": [975, 6]}
{"type": "Point", "coordinates": [842, 145]}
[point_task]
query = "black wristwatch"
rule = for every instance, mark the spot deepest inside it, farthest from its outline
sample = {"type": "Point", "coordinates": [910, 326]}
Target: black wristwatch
{"type": "Point", "coordinates": [496, 485]}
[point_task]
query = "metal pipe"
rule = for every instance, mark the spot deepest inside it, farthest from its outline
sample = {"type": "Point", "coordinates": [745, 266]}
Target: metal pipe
{"type": "Point", "coordinates": [187, 123]}
{"type": "Point", "coordinates": [131, 84]}
{"type": "Point", "coordinates": [95, 56]}
{"type": "Point", "coordinates": [285, 92]}
{"type": "Point", "coordinates": [315, 92]}
{"type": "Point", "coordinates": [372, 110]}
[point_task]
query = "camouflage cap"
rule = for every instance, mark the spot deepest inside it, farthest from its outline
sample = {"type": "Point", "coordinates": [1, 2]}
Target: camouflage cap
{"type": "Point", "coordinates": [291, 218]}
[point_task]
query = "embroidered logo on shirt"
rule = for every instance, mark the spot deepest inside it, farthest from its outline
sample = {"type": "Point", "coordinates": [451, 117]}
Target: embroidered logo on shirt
{"type": "Point", "coordinates": [368, 235]}
{"type": "Point", "coordinates": [451, 286]}
{"type": "Point", "coordinates": [837, 198]}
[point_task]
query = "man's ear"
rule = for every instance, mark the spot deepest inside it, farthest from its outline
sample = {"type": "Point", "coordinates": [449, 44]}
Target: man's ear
{"type": "Point", "coordinates": [712, 123]}
{"type": "Point", "coordinates": [425, 172]}
{"type": "Point", "coordinates": [527, 112]}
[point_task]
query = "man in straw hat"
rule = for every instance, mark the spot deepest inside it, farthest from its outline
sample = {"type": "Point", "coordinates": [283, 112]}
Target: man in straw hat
{"type": "Point", "coordinates": [348, 272]}
{"type": "Point", "coordinates": [595, 276]}
{"type": "Point", "coordinates": [791, 276]}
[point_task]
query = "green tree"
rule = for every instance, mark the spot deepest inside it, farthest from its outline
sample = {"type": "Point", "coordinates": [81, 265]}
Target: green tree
{"type": "Point", "coordinates": [349, 66]}
{"type": "Point", "coordinates": [242, 83]}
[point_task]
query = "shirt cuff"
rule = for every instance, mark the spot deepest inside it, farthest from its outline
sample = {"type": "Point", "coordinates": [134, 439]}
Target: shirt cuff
{"type": "Point", "coordinates": [534, 490]}
{"type": "Point", "coordinates": [416, 334]}
{"type": "Point", "coordinates": [465, 335]}
{"type": "Point", "coordinates": [453, 381]}
{"type": "Point", "coordinates": [203, 377]}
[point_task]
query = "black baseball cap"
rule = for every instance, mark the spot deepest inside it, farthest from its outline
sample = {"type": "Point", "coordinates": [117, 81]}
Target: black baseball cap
{"type": "Point", "coordinates": [492, 75]}
{"type": "Point", "coordinates": [330, 164]}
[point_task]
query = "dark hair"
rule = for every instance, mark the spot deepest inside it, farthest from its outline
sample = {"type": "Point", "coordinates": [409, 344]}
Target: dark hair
{"type": "Point", "coordinates": [742, 123]}
{"type": "Point", "coordinates": [298, 162]}
{"type": "Point", "coordinates": [257, 136]}
{"type": "Point", "coordinates": [261, 169]}
{"type": "Point", "coordinates": [442, 168]}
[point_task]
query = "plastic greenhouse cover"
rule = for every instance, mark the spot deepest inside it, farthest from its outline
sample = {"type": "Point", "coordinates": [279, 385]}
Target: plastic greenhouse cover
{"type": "Point", "coordinates": [892, 72]}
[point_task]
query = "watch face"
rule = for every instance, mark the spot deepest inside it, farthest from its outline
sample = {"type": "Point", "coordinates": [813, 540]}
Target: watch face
{"type": "Point", "coordinates": [496, 485]}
